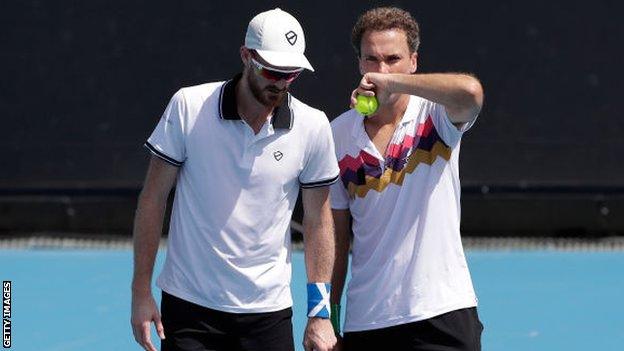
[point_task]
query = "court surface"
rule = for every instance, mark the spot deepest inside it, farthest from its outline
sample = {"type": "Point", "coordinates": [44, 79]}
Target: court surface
{"type": "Point", "coordinates": [528, 300]}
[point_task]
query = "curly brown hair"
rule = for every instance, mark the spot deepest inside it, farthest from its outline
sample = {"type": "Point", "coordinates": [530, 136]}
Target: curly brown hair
{"type": "Point", "coordinates": [385, 18]}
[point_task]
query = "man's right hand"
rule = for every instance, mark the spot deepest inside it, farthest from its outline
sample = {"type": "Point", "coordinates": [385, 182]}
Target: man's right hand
{"type": "Point", "coordinates": [373, 84]}
{"type": "Point", "coordinates": [144, 312]}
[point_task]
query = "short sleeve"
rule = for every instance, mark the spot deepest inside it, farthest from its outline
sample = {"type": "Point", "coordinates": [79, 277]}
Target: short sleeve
{"type": "Point", "coordinates": [338, 196]}
{"type": "Point", "coordinates": [450, 133]}
{"type": "Point", "coordinates": [320, 167]}
{"type": "Point", "coordinates": [167, 139]}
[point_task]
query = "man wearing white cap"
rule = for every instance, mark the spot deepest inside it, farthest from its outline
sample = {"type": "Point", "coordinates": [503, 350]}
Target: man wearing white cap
{"type": "Point", "coordinates": [240, 150]}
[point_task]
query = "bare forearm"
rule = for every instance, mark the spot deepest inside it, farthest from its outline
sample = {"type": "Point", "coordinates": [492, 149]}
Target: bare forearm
{"type": "Point", "coordinates": [318, 237]}
{"type": "Point", "coordinates": [147, 231]}
{"type": "Point", "coordinates": [343, 241]}
{"type": "Point", "coordinates": [460, 94]}
{"type": "Point", "coordinates": [319, 248]}
{"type": "Point", "coordinates": [148, 221]}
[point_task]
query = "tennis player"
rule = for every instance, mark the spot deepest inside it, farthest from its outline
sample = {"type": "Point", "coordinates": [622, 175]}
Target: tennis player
{"type": "Point", "coordinates": [240, 150]}
{"type": "Point", "coordinates": [410, 285]}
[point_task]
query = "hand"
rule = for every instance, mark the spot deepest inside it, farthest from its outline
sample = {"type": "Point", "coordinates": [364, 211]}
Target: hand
{"type": "Point", "coordinates": [319, 335]}
{"type": "Point", "coordinates": [144, 311]}
{"type": "Point", "coordinates": [372, 84]}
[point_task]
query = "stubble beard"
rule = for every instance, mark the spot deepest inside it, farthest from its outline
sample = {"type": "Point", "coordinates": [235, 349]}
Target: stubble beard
{"type": "Point", "coordinates": [269, 96]}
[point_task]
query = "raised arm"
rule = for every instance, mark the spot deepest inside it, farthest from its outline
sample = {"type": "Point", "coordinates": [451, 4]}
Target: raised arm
{"type": "Point", "coordinates": [148, 223]}
{"type": "Point", "coordinates": [460, 94]}
{"type": "Point", "coordinates": [319, 258]}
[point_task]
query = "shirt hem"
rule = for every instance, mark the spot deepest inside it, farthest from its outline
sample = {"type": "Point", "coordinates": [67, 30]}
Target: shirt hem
{"type": "Point", "coordinates": [410, 319]}
{"type": "Point", "coordinates": [184, 295]}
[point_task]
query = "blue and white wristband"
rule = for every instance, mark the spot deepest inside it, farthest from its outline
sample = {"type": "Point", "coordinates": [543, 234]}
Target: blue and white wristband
{"type": "Point", "coordinates": [318, 300]}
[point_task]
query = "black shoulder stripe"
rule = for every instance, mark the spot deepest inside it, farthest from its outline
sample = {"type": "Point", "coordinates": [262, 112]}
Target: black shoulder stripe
{"type": "Point", "coordinates": [162, 156]}
{"type": "Point", "coordinates": [320, 183]}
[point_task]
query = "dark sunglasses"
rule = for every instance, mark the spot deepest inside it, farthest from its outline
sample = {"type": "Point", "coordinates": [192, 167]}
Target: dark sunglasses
{"type": "Point", "coordinates": [275, 74]}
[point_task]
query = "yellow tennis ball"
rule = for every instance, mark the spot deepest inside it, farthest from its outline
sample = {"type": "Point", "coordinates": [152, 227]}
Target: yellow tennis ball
{"type": "Point", "coordinates": [366, 105]}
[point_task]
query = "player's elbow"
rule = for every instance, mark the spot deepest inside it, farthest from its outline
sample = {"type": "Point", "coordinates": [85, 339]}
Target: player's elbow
{"type": "Point", "coordinates": [469, 101]}
{"type": "Point", "coordinates": [473, 94]}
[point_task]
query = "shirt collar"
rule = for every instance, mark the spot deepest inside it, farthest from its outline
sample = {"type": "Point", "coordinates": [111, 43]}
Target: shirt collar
{"type": "Point", "coordinates": [411, 113]}
{"type": "Point", "coordinates": [282, 114]}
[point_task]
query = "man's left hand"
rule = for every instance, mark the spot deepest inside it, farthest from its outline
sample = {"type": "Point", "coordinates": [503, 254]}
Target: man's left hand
{"type": "Point", "coordinates": [319, 335]}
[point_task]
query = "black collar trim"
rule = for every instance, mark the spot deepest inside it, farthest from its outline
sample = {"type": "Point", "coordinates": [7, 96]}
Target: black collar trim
{"type": "Point", "coordinates": [282, 115]}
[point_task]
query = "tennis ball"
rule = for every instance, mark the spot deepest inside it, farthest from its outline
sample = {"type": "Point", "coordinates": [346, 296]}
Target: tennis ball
{"type": "Point", "coordinates": [366, 105]}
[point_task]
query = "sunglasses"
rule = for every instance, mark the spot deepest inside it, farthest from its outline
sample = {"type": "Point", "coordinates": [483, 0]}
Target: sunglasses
{"type": "Point", "coordinates": [275, 74]}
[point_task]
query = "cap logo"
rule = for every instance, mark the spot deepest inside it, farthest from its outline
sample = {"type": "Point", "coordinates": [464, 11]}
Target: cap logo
{"type": "Point", "coordinates": [291, 37]}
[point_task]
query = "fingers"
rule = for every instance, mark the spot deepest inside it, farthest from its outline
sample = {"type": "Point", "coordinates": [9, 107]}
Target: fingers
{"type": "Point", "coordinates": [144, 312]}
{"type": "Point", "coordinates": [136, 331]}
{"type": "Point", "coordinates": [366, 88]}
{"type": "Point", "coordinates": [366, 83]}
{"type": "Point", "coordinates": [307, 343]}
{"type": "Point", "coordinates": [319, 336]}
{"type": "Point", "coordinates": [146, 340]}
{"type": "Point", "coordinates": [312, 347]}
{"type": "Point", "coordinates": [307, 346]}
{"type": "Point", "coordinates": [135, 334]}
{"type": "Point", "coordinates": [359, 91]}
{"type": "Point", "coordinates": [142, 335]}
{"type": "Point", "coordinates": [308, 340]}
{"type": "Point", "coordinates": [353, 98]}
{"type": "Point", "coordinates": [318, 347]}
{"type": "Point", "coordinates": [159, 327]}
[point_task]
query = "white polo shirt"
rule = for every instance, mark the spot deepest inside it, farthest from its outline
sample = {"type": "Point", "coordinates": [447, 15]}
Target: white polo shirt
{"type": "Point", "coordinates": [408, 262]}
{"type": "Point", "coordinates": [229, 236]}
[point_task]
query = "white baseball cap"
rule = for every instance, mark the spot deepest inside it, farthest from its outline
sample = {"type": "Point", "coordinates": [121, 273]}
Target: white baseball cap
{"type": "Point", "coordinates": [278, 38]}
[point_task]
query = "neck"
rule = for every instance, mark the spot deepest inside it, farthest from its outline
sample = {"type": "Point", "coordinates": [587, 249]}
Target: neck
{"type": "Point", "coordinates": [249, 108]}
{"type": "Point", "coordinates": [389, 113]}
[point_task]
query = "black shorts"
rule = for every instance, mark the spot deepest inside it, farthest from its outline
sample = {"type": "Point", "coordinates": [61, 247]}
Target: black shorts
{"type": "Point", "coordinates": [453, 331]}
{"type": "Point", "coordinates": [192, 327]}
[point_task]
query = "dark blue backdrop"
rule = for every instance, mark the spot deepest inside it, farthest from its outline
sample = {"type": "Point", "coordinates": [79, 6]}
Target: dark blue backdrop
{"type": "Point", "coordinates": [84, 82]}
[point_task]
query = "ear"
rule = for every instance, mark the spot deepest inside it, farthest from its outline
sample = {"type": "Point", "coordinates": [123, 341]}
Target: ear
{"type": "Point", "coordinates": [245, 55]}
{"type": "Point", "coordinates": [360, 66]}
{"type": "Point", "coordinates": [414, 62]}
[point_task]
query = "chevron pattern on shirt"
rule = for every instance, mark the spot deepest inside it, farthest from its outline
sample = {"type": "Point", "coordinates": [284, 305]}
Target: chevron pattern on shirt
{"type": "Point", "coordinates": [363, 173]}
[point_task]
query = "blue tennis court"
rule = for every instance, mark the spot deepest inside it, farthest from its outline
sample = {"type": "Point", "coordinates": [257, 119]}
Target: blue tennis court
{"type": "Point", "coordinates": [529, 300]}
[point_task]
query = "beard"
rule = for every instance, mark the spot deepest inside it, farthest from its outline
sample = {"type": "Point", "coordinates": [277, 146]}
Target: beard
{"type": "Point", "coordinates": [269, 96]}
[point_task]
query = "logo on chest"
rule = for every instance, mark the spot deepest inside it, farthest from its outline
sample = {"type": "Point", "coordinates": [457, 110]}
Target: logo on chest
{"type": "Point", "coordinates": [278, 155]}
